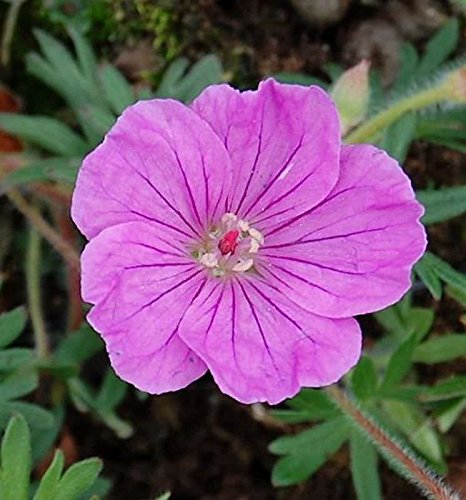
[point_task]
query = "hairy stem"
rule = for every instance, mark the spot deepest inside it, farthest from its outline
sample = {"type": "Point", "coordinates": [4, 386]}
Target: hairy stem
{"type": "Point", "coordinates": [75, 309]}
{"type": "Point", "coordinates": [34, 217]}
{"type": "Point", "coordinates": [33, 265]}
{"type": "Point", "coordinates": [428, 482]}
{"type": "Point", "coordinates": [369, 129]}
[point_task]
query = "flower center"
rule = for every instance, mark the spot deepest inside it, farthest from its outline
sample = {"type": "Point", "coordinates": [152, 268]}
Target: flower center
{"type": "Point", "coordinates": [230, 247]}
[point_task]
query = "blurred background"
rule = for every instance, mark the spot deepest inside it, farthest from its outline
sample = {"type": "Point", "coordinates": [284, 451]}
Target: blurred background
{"type": "Point", "coordinates": [67, 69]}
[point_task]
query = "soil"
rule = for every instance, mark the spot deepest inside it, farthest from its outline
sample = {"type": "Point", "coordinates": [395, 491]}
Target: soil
{"type": "Point", "coordinates": [198, 443]}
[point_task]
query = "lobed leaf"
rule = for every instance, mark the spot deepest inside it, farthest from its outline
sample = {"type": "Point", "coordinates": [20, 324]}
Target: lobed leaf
{"type": "Point", "coordinates": [47, 133]}
{"type": "Point", "coordinates": [307, 451]}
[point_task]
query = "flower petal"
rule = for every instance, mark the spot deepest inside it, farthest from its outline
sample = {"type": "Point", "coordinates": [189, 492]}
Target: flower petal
{"type": "Point", "coordinates": [353, 253]}
{"type": "Point", "coordinates": [159, 163]}
{"type": "Point", "coordinates": [142, 285]}
{"type": "Point", "coordinates": [284, 143]}
{"type": "Point", "coordinates": [260, 346]}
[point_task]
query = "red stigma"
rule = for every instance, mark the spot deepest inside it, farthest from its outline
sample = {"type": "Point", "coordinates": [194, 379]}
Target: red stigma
{"type": "Point", "coordinates": [229, 242]}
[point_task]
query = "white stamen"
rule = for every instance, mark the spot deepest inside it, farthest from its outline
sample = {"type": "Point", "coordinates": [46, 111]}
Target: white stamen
{"type": "Point", "coordinates": [209, 260]}
{"type": "Point", "coordinates": [243, 226]}
{"type": "Point", "coordinates": [243, 265]}
{"type": "Point", "coordinates": [255, 234]}
{"type": "Point", "coordinates": [229, 219]}
{"type": "Point", "coordinates": [254, 246]}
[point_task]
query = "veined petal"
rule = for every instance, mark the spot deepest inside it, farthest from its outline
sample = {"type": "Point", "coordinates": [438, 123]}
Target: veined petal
{"type": "Point", "coordinates": [284, 144]}
{"type": "Point", "coordinates": [141, 286]}
{"type": "Point", "coordinates": [354, 252]}
{"type": "Point", "coordinates": [260, 346]}
{"type": "Point", "coordinates": [160, 163]}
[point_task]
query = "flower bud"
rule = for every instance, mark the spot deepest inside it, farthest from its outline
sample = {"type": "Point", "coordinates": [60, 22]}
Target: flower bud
{"type": "Point", "coordinates": [456, 83]}
{"type": "Point", "coordinates": [351, 95]}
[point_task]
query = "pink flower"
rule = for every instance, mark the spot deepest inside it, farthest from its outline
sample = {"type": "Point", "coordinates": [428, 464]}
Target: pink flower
{"type": "Point", "coordinates": [239, 236]}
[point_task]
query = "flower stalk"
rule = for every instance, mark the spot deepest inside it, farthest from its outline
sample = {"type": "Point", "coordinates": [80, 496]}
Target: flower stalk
{"type": "Point", "coordinates": [404, 461]}
{"type": "Point", "coordinates": [369, 130]}
{"type": "Point", "coordinates": [33, 267]}
{"type": "Point", "coordinates": [34, 217]}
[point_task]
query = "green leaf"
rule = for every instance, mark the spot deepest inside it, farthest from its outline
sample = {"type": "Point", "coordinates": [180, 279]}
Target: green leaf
{"type": "Point", "coordinates": [391, 319]}
{"type": "Point", "coordinates": [450, 413]}
{"type": "Point", "coordinates": [453, 387]}
{"type": "Point", "coordinates": [54, 169]}
{"type": "Point", "coordinates": [57, 54]}
{"type": "Point", "coordinates": [164, 496]}
{"type": "Point", "coordinates": [98, 120]}
{"type": "Point", "coordinates": [444, 271]}
{"type": "Point", "coordinates": [78, 478]}
{"type": "Point", "coordinates": [440, 349]}
{"type": "Point", "coordinates": [205, 72]}
{"type": "Point", "coordinates": [63, 73]}
{"type": "Point", "coordinates": [119, 426]}
{"type": "Point", "coordinates": [364, 379]}
{"type": "Point", "coordinates": [291, 416]}
{"type": "Point", "coordinates": [49, 483]}
{"type": "Point", "coordinates": [79, 346]}
{"type": "Point", "coordinates": [19, 383]}
{"type": "Point", "coordinates": [51, 135]}
{"type": "Point", "coordinates": [117, 90]}
{"type": "Point", "coordinates": [44, 439]}
{"type": "Point", "coordinates": [86, 56]}
{"type": "Point", "coordinates": [400, 363]}
{"type": "Point", "coordinates": [307, 451]}
{"type": "Point", "coordinates": [417, 428]}
{"type": "Point", "coordinates": [16, 461]}
{"type": "Point", "coordinates": [439, 48]}
{"type": "Point", "coordinates": [111, 393]}
{"type": "Point", "coordinates": [398, 138]}
{"type": "Point", "coordinates": [36, 416]}
{"type": "Point", "coordinates": [457, 294]}
{"type": "Point", "coordinates": [315, 403]}
{"type": "Point", "coordinates": [419, 320]}
{"type": "Point", "coordinates": [408, 61]}
{"type": "Point", "coordinates": [10, 359]}
{"type": "Point", "coordinates": [430, 278]}
{"type": "Point", "coordinates": [442, 204]}
{"type": "Point", "coordinates": [11, 325]}
{"type": "Point", "coordinates": [364, 469]}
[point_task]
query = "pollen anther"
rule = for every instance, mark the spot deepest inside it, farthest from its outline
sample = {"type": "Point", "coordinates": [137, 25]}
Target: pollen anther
{"type": "Point", "coordinates": [230, 247]}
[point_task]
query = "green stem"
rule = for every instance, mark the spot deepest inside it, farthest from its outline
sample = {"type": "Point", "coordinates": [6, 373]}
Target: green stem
{"type": "Point", "coordinates": [427, 481]}
{"type": "Point", "coordinates": [8, 30]}
{"type": "Point", "coordinates": [35, 218]}
{"type": "Point", "coordinates": [33, 273]}
{"type": "Point", "coordinates": [368, 130]}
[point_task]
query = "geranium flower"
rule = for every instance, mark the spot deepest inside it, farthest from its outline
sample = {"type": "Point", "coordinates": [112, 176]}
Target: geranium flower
{"type": "Point", "coordinates": [239, 236]}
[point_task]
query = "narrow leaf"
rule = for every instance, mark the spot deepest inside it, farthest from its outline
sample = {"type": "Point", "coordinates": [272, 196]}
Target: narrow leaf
{"type": "Point", "coordinates": [430, 278]}
{"type": "Point", "coordinates": [364, 379]}
{"type": "Point", "coordinates": [439, 48]}
{"type": "Point", "coordinates": [440, 349]}
{"type": "Point", "coordinates": [49, 483]}
{"type": "Point", "coordinates": [11, 325]}
{"type": "Point", "coordinates": [364, 468]}
{"type": "Point", "coordinates": [51, 135]}
{"type": "Point", "coordinates": [16, 461]}
{"type": "Point", "coordinates": [117, 90]}
{"type": "Point", "coordinates": [442, 204]}
{"type": "Point", "coordinates": [400, 363]}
